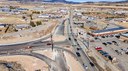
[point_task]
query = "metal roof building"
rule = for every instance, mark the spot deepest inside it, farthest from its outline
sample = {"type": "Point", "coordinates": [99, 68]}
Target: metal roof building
{"type": "Point", "coordinates": [109, 31]}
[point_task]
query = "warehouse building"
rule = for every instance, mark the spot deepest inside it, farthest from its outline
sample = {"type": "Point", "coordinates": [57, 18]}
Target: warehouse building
{"type": "Point", "coordinates": [109, 31]}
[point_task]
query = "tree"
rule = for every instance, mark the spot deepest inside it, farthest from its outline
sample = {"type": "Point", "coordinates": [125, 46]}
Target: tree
{"type": "Point", "coordinates": [31, 16]}
{"type": "Point", "coordinates": [38, 23]}
{"type": "Point", "coordinates": [32, 24]}
{"type": "Point", "coordinates": [23, 17]}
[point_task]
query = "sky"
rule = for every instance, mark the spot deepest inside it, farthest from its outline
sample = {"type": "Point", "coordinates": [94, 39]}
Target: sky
{"type": "Point", "coordinates": [93, 0]}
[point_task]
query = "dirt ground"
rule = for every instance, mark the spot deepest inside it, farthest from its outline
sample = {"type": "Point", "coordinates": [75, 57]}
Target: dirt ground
{"type": "Point", "coordinates": [27, 62]}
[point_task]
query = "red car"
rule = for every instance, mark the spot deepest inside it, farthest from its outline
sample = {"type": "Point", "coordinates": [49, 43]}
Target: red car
{"type": "Point", "coordinates": [98, 48]}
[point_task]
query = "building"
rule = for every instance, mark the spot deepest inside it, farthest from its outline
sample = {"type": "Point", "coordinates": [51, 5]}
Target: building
{"type": "Point", "coordinates": [2, 28]}
{"type": "Point", "coordinates": [124, 37]}
{"type": "Point", "coordinates": [44, 16]}
{"type": "Point", "coordinates": [109, 31]}
{"type": "Point", "coordinates": [22, 26]}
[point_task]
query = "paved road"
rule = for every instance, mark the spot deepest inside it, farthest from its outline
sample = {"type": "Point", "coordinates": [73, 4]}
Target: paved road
{"type": "Point", "coordinates": [83, 59]}
{"type": "Point", "coordinates": [58, 65]}
{"type": "Point", "coordinates": [60, 29]}
{"type": "Point", "coordinates": [59, 58]}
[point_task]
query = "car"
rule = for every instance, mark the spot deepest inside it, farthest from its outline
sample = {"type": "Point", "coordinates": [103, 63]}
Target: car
{"type": "Point", "coordinates": [111, 35]}
{"type": "Point", "coordinates": [110, 58]}
{"type": "Point", "coordinates": [78, 48]}
{"type": "Point", "coordinates": [102, 52]}
{"type": "Point", "coordinates": [91, 64]}
{"type": "Point", "coordinates": [28, 47]}
{"type": "Point", "coordinates": [96, 38]}
{"type": "Point", "coordinates": [104, 44]}
{"type": "Point", "coordinates": [103, 36]}
{"type": "Point", "coordinates": [92, 41]}
{"type": "Point", "coordinates": [75, 39]}
{"type": "Point", "coordinates": [117, 36]}
{"type": "Point", "coordinates": [69, 38]}
{"type": "Point", "coordinates": [98, 48]}
{"type": "Point", "coordinates": [107, 36]}
{"type": "Point", "coordinates": [49, 43]}
{"type": "Point", "coordinates": [117, 51]}
{"type": "Point", "coordinates": [85, 66]}
{"type": "Point", "coordinates": [78, 54]}
{"type": "Point", "coordinates": [114, 41]}
{"type": "Point", "coordinates": [126, 53]}
{"type": "Point", "coordinates": [107, 55]}
{"type": "Point", "coordinates": [109, 43]}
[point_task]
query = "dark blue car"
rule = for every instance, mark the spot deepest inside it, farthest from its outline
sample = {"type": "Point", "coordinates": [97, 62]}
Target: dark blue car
{"type": "Point", "coordinates": [109, 43]}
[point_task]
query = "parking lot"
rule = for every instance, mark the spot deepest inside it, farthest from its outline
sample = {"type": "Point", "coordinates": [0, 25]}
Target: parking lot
{"type": "Point", "coordinates": [115, 48]}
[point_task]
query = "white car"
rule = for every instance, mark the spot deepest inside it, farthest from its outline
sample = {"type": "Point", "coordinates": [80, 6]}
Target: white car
{"type": "Point", "coordinates": [86, 67]}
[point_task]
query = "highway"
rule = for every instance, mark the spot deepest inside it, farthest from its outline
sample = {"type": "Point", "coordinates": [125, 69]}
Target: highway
{"type": "Point", "coordinates": [83, 59]}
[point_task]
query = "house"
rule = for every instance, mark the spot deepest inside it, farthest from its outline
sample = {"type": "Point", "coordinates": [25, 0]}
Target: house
{"type": "Point", "coordinates": [5, 9]}
{"type": "Point", "coordinates": [22, 26]}
{"type": "Point", "coordinates": [2, 27]}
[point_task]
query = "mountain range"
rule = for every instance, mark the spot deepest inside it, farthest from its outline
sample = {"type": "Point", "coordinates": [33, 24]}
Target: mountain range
{"type": "Point", "coordinates": [62, 1]}
{"type": "Point", "coordinates": [39, 0]}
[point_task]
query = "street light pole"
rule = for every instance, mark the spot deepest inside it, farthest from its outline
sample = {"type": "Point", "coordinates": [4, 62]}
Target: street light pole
{"type": "Point", "coordinates": [88, 39]}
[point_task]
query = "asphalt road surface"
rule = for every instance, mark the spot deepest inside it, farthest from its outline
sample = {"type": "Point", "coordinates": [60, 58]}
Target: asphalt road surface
{"type": "Point", "coordinates": [83, 59]}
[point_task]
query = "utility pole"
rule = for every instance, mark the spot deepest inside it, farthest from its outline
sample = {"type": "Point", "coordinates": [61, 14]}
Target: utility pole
{"type": "Point", "coordinates": [88, 39]}
{"type": "Point", "coordinates": [52, 41]}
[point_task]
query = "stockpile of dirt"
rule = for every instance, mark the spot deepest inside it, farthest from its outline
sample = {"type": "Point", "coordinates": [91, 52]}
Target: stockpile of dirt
{"type": "Point", "coordinates": [10, 66]}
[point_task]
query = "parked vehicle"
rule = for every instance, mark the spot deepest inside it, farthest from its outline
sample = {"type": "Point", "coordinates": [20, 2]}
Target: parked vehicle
{"type": "Point", "coordinates": [103, 36]}
{"type": "Point", "coordinates": [106, 55]}
{"type": "Point", "coordinates": [104, 44]}
{"type": "Point", "coordinates": [115, 43]}
{"type": "Point", "coordinates": [103, 52]}
{"type": "Point", "coordinates": [117, 36]}
{"type": "Point", "coordinates": [92, 41]}
{"type": "Point", "coordinates": [96, 38]}
{"type": "Point", "coordinates": [111, 35]}
{"type": "Point", "coordinates": [98, 48]}
{"type": "Point", "coordinates": [126, 53]}
{"type": "Point", "coordinates": [29, 47]}
{"type": "Point", "coordinates": [110, 58]}
{"type": "Point", "coordinates": [109, 43]}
